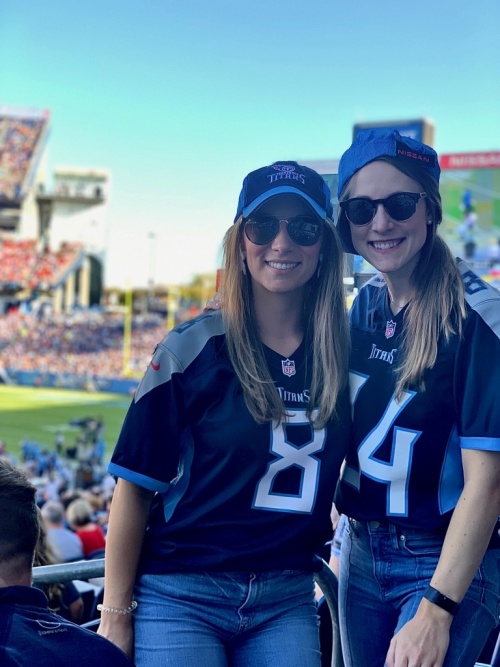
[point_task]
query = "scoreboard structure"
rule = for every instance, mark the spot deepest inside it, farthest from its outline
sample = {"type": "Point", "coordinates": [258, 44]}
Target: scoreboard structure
{"type": "Point", "coordinates": [420, 129]}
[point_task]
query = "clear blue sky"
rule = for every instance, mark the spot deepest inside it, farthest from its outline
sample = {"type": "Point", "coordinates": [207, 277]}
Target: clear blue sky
{"type": "Point", "coordinates": [179, 100]}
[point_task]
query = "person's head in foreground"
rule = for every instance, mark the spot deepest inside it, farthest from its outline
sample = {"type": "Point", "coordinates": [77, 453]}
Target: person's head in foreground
{"type": "Point", "coordinates": [19, 526]}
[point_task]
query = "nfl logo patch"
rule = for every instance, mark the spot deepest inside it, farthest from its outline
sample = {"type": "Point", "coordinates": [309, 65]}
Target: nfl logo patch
{"type": "Point", "coordinates": [288, 367]}
{"type": "Point", "coordinates": [390, 328]}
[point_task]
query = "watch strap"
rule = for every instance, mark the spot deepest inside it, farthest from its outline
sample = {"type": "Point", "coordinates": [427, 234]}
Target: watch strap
{"type": "Point", "coordinates": [437, 598]}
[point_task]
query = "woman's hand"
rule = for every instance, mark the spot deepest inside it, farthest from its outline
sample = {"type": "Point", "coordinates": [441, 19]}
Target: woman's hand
{"type": "Point", "coordinates": [119, 631]}
{"type": "Point", "coordinates": [213, 304]}
{"type": "Point", "coordinates": [423, 640]}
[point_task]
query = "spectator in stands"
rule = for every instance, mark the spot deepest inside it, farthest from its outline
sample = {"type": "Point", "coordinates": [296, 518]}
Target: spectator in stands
{"type": "Point", "coordinates": [493, 252]}
{"type": "Point", "coordinates": [108, 485]}
{"type": "Point", "coordinates": [419, 573]}
{"type": "Point", "coordinates": [79, 515]}
{"type": "Point", "coordinates": [65, 544]}
{"type": "Point", "coordinates": [467, 231]}
{"type": "Point", "coordinates": [4, 454]}
{"type": "Point", "coordinates": [30, 634]}
{"type": "Point", "coordinates": [64, 599]}
{"type": "Point", "coordinates": [240, 426]}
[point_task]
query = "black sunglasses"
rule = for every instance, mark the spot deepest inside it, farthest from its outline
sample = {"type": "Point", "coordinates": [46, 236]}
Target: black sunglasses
{"type": "Point", "coordinates": [304, 230]}
{"type": "Point", "coordinates": [400, 206]}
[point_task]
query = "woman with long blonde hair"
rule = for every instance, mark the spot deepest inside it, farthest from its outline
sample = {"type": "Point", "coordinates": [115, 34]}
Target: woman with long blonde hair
{"type": "Point", "coordinates": [231, 449]}
{"type": "Point", "coordinates": [419, 576]}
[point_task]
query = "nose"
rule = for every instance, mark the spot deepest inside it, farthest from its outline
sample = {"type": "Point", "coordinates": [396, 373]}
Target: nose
{"type": "Point", "coordinates": [381, 220]}
{"type": "Point", "coordinates": [282, 240]}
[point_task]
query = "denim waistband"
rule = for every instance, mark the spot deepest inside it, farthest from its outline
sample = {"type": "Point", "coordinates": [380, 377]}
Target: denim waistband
{"type": "Point", "coordinates": [390, 528]}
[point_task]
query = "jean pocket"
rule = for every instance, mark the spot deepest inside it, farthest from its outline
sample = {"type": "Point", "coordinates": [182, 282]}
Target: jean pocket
{"type": "Point", "coordinates": [421, 544]}
{"type": "Point", "coordinates": [487, 579]}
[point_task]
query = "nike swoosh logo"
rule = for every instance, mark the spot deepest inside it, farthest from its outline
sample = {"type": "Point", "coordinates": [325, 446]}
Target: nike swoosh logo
{"type": "Point", "coordinates": [155, 367]}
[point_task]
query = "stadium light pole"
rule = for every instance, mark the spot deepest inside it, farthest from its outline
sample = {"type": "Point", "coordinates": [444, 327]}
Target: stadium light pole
{"type": "Point", "coordinates": [152, 236]}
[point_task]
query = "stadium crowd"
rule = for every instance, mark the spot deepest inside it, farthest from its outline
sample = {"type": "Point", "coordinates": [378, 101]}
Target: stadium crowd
{"type": "Point", "coordinates": [18, 140]}
{"type": "Point", "coordinates": [87, 342]}
{"type": "Point", "coordinates": [71, 477]}
{"type": "Point", "coordinates": [24, 263]}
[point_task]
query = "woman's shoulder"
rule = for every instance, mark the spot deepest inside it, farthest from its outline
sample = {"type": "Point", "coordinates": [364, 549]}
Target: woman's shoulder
{"type": "Point", "coordinates": [185, 342]}
{"type": "Point", "coordinates": [482, 299]}
{"type": "Point", "coordinates": [197, 330]}
{"type": "Point", "coordinates": [188, 348]}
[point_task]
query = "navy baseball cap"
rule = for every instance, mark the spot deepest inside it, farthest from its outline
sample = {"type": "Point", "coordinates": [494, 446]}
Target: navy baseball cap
{"type": "Point", "coordinates": [284, 178]}
{"type": "Point", "coordinates": [375, 143]}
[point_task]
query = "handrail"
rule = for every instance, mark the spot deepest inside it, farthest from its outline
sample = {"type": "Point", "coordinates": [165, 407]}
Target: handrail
{"type": "Point", "coordinates": [89, 569]}
{"type": "Point", "coordinates": [328, 583]}
{"type": "Point", "coordinates": [79, 569]}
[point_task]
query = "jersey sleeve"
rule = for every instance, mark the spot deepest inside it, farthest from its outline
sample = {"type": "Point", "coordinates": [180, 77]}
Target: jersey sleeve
{"type": "Point", "coordinates": [157, 424]}
{"type": "Point", "coordinates": [477, 384]}
{"type": "Point", "coordinates": [147, 451]}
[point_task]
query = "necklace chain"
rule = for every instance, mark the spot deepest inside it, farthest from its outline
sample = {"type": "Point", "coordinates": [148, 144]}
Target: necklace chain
{"type": "Point", "coordinates": [398, 306]}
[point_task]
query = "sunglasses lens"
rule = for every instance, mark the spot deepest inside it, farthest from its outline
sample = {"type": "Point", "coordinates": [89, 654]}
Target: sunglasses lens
{"type": "Point", "coordinates": [304, 230]}
{"type": "Point", "coordinates": [400, 206]}
{"type": "Point", "coordinates": [261, 231]}
{"type": "Point", "coordinates": [359, 211]}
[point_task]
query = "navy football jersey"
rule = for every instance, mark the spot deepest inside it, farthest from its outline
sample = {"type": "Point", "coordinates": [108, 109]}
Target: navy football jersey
{"type": "Point", "coordinates": [406, 466]}
{"type": "Point", "coordinates": [231, 494]}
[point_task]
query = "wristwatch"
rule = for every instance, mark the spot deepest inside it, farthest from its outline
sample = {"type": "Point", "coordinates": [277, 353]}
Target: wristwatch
{"type": "Point", "coordinates": [437, 598]}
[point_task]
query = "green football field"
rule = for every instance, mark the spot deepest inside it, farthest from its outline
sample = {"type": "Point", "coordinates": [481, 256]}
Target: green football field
{"type": "Point", "coordinates": [38, 414]}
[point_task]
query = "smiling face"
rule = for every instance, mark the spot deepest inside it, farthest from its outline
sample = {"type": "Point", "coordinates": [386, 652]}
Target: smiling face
{"type": "Point", "coordinates": [392, 247]}
{"type": "Point", "coordinates": [281, 266]}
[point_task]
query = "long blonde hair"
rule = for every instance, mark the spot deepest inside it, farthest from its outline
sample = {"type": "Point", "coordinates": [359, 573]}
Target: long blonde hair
{"type": "Point", "coordinates": [326, 332]}
{"type": "Point", "coordinates": [438, 307]}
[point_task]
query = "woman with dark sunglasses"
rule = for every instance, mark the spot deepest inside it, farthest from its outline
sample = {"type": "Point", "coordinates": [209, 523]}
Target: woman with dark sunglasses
{"type": "Point", "coordinates": [420, 570]}
{"type": "Point", "coordinates": [229, 454]}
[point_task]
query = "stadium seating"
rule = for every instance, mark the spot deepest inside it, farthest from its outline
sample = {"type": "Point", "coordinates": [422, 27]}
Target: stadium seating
{"type": "Point", "coordinates": [87, 343]}
{"type": "Point", "coordinates": [22, 264]}
{"type": "Point", "coordinates": [19, 137]}
{"type": "Point", "coordinates": [17, 262]}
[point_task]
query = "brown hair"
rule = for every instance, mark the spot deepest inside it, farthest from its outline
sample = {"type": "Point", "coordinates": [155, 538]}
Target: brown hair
{"type": "Point", "coordinates": [19, 521]}
{"type": "Point", "coordinates": [438, 307]}
{"type": "Point", "coordinates": [326, 332]}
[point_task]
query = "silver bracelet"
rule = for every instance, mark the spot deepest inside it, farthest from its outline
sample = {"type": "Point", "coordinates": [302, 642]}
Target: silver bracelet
{"type": "Point", "coordinates": [116, 610]}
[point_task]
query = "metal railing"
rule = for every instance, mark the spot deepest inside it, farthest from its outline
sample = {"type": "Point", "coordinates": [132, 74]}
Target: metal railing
{"type": "Point", "coordinates": [91, 569]}
{"type": "Point", "coordinates": [80, 569]}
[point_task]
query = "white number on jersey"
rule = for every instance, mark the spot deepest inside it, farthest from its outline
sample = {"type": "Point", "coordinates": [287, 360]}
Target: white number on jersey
{"type": "Point", "coordinates": [396, 472]}
{"type": "Point", "coordinates": [289, 455]}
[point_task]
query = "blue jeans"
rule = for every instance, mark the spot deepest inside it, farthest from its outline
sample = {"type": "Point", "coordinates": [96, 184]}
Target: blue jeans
{"type": "Point", "coordinates": [217, 619]}
{"type": "Point", "coordinates": [384, 571]}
